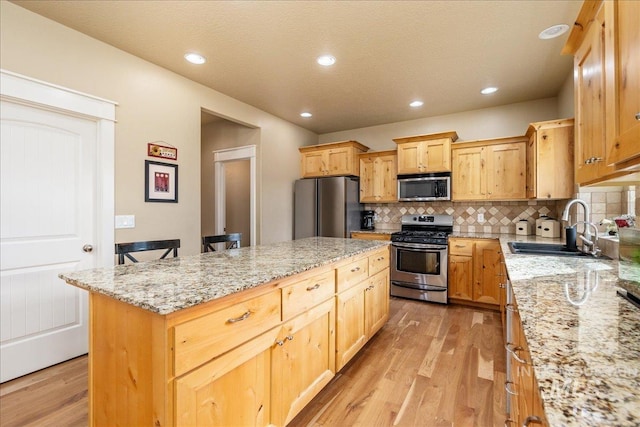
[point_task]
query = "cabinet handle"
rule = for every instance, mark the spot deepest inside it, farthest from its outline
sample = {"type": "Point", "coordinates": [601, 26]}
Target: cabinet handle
{"type": "Point", "coordinates": [531, 419]}
{"type": "Point", "coordinates": [597, 159]}
{"type": "Point", "coordinates": [353, 270]}
{"type": "Point", "coordinates": [508, 422]}
{"type": "Point", "coordinates": [506, 388]}
{"type": "Point", "coordinates": [239, 319]}
{"type": "Point", "coordinates": [461, 246]}
{"type": "Point", "coordinates": [290, 337]}
{"type": "Point", "coordinates": [638, 116]}
{"type": "Point", "coordinates": [280, 343]}
{"type": "Point", "coordinates": [380, 259]}
{"type": "Point", "coordinates": [502, 285]}
{"type": "Point", "coordinates": [368, 288]}
{"type": "Point", "coordinates": [511, 309]}
{"type": "Point", "coordinates": [513, 353]}
{"type": "Point", "coordinates": [314, 287]}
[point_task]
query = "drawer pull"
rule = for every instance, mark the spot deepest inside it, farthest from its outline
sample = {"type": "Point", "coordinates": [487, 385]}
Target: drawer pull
{"type": "Point", "coordinates": [508, 422]}
{"type": "Point", "coordinates": [638, 116]}
{"type": "Point", "coordinates": [290, 337]}
{"type": "Point", "coordinates": [239, 319]}
{"type": "Point", "coordinates": [511, 309]}
{"type": "Point", "coordinates": [368, 288]}
{"type": "Point", "coordinates": [353, 270]}
{"type": "Point", "coordinates": [506, 388]}
{"type": "Point", "coordinates": [513, 353]}
{"type": "Point", "coordinates": [380, 259]}
{"type": "Point", "coordinates": [280, 343]}
{"type": "Point", "coordinates": [531, 419]}
{"type": "Point", "coordinates": [461, 246]}
{"type": "Point", "coordinates": [314, 287]}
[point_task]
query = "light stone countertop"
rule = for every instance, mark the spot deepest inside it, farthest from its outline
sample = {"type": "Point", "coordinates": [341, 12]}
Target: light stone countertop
{"type": "Point", "coordinates": [169, 285]}
{"type": "Point", "coordinates": [584, 339]}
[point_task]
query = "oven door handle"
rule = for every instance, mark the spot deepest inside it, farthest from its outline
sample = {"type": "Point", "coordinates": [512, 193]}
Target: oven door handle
{"type": "Point", "coordinates": [419, 247]}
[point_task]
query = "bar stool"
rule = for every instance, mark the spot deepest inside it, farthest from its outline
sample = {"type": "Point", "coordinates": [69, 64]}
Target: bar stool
{"type": "Point", "coordinates": [124, 249]}
{"type": "Point", "coordinates": [232, 241]}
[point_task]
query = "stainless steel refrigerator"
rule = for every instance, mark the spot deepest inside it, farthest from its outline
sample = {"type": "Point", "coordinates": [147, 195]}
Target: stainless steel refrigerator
{"type": "Point", "coordinates": [327, 207]}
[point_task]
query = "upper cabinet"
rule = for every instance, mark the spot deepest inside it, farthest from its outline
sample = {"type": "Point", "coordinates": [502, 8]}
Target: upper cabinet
{"type": "Point", "coordinates": [604, 43]}
{"type": "Point", "coordinates": [378, 177]}
{"type": "Point", "coordinates": [425, 153]}
{"type": "Point", "coordinates": [550, 160]}
{"type": "Point", "coordinates": [623, 83]}
{"type": "Point", "coordinates": [489, 169]}
{"type": "Point", "coordinates": [333, 159]}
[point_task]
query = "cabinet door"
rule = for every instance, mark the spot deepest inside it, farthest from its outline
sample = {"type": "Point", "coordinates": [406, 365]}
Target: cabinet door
{"type": "Point", "coordinates": [351, 333]}
{"type": "Point", "coordinates": [437, 155]}
{"type": "Point", "coordinates": [487, 261]}
{"type": "Point", "coordinates": [506, 166]}
{"type": "Point", "coordinates": [367, 177]}
{"type": "Point", "coordinates": [385, 179]}
{"type": "Point", "coordinates": [376, 302]}
{"type": "Point", "coordinates": [468, 175]}
{"type": "Point", "coordinates": [590, 108]}
{"type": "Point", "coordinates": [532, 166]}
{"type": "Point", "coordinates": [554, 166]}
{"type": "Point", "coordinates": [303, 361]}
{"type": "Point", "coordinates": [623, 141]}
{"type": "Point", "coordinates": [314, 163]}
{"type": "Point", "coordinates": [234, 389]}
{"type": "Point", "coordinates": [460, 277]}
{"type": "Point", "coordinates": [341, 162]}
{"type": "Point", "coordinates": [410, 158]}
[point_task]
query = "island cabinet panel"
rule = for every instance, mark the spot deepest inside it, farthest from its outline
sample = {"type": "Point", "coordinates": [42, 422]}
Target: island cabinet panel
{"type": "Point", "coordinates": [304, 294]}
{"type": "Point", "coordinates": [198, 340]}
{"type": "Point", "coordinates": [234, 389]}
{"type": "Point", "coordinates": [127, 369]}
{"type": "Point", "coordinates": [362, 307]}
{"type": "Point", "coordinates": [303, 361]}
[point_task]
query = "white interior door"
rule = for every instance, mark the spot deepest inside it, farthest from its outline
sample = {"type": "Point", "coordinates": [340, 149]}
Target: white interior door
{"type": "Point", "coordinates": [49, 198]}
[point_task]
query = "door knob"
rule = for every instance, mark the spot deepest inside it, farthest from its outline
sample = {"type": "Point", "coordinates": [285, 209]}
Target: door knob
{"type": "Point", "coordinates": [87, 248]}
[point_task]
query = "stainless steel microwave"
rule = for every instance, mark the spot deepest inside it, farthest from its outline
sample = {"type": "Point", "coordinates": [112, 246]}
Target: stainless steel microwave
{"type": "Point", "coordinates": [425, 187]}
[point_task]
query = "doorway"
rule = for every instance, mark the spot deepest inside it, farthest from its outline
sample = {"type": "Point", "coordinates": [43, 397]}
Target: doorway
{"type": "Point", "coordinates": [228, 178]}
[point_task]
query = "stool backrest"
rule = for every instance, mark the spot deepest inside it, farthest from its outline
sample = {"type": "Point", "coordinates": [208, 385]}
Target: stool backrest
{"type": "Point", "coordinates": [232, 241]}
{"type": "Point", "coordinates": [125, 249]}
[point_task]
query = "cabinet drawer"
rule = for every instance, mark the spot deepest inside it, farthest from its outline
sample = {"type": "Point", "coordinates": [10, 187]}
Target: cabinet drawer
{"type": "Point", "coordinates": [460, 247]}
{"type": "Point", "coordinates": [305, 294]}
{"type": "Point", "coordinates": [378, 261]}
{"type": "Point", "coordinates": [352, 274]}
{"type": "Point", "coordinates": [206, 337]}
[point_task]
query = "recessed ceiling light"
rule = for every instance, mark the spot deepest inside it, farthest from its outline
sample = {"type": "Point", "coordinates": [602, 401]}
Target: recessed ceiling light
{"type": "Point", "coordinates": [306, 115]}
{"type": "Point", "coordinates": [195, 58]}
{"type": "Point", "coordinates": [326, 60]}
{"type": "Point", "coordinates": [553, 31]}
{"type": "Point", "coordinates": [488, 90]}
{"type": "Point", "coordinates": [416, 104]}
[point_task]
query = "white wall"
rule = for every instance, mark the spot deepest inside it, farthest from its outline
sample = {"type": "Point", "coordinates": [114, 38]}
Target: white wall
{"type": "Point", "coordinates": [154, 104]}
{"type": "Point", "coordinates": [566, 107]}
{"type": "Point", "coordinates": [496, 122]}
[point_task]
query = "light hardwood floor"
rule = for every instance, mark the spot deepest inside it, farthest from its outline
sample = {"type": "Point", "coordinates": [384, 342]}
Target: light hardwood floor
{"type": "Point", "coordinates": [430, 365]}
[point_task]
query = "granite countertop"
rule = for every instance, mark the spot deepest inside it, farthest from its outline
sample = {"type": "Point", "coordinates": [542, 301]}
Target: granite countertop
{"type": "Point", "coordinates": [583, 338]}
{"type": "Point", "coordinates": [169, 285]}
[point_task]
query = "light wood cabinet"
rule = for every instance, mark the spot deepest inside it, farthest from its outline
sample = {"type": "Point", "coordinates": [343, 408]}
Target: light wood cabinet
{"type": "Point", "coordinates": [607, 83]}
{"type": "Point", "coordinates": [303, 361]}
{"type": "Point", "coordinates": [332, 159]}
{"type": "Point", "coordinates": [550, 161]}
{"type": "Point", "coordinates": [370, 236]}
{"type": "Point", "coordinates": [255, 358]}
{"type": "Point", "coordinates": [425, 153]}
{"type": "Point", "coordinates": [476, 271]}
{"type": "Point", "coordinates": [362, 306]}
{"type": "Point", "coordinates": [521, 385]}
{"type": "Point", "coordinates": [378, 177]}
{"type": "Point", "coordinates": [623, 84]}
{"type": "Point", "coordinates": [489, 169]}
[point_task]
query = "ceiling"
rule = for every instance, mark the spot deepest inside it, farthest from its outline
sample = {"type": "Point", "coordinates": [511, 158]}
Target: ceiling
{"type": "Point", "coordinates": [388, 53]}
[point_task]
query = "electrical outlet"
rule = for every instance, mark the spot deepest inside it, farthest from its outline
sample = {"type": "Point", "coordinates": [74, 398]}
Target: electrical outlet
{"type": "Point", "coordinates": [480, 217]}
{"type": "Point", "coordinates": [125, 221]}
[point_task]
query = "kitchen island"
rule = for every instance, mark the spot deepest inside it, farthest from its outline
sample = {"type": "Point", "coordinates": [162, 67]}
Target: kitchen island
{"type": "Point", "coordinates": [241, 337]}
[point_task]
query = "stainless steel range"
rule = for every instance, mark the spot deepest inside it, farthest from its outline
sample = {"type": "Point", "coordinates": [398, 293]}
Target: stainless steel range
{"type": "Point", "coordinates": [419, 258]}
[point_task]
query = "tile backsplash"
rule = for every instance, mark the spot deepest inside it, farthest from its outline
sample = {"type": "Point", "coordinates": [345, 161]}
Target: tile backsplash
{"type": "Point", "coordinates": [501, 217]}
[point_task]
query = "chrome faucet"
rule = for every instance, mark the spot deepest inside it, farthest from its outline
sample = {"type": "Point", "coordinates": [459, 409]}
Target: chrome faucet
{"type": "Point", "coordinates": [588, 245]}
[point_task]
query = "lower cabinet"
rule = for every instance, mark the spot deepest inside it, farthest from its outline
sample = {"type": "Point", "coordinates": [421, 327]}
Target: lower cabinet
{"type": "Point", "coordinates": [476, 271]}
{"type": "Point", "coordinates": [361, 311]}
{"type": "Point", "coordinates": [523, 396]}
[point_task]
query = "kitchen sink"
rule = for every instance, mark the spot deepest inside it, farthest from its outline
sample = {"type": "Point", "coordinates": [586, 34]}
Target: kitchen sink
{"type": "Point", "coordinates": [528, 248]}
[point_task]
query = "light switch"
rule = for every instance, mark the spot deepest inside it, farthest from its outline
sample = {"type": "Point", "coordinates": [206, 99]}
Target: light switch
{"type": "Point", "coordinates": [125, 221]}
{"type": "Point", "coordinates": [480, 217]}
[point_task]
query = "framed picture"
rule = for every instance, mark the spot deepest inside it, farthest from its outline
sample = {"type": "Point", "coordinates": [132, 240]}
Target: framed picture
{"type": "Point", "coordinates": [160, 182]}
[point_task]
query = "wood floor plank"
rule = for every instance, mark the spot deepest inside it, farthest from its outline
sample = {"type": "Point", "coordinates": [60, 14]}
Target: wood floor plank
{"type": "Point", "coordinates": [430, 365]}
